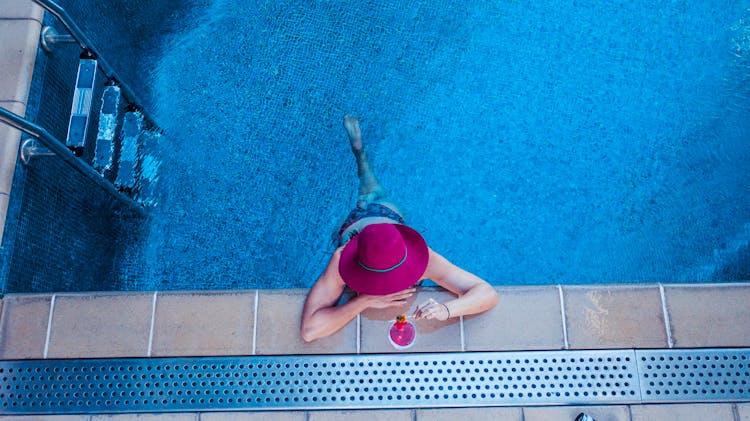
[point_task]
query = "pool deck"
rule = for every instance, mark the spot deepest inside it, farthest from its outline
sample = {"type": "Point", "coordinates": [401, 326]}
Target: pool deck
{"type": "Point", "coordinates": [263, 322]}
{"type": "Point", "coordinates": [20, 25]}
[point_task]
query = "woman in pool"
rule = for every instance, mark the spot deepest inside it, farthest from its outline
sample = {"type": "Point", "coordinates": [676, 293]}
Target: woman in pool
{"type": "Point", "coordinates": [383, 260]}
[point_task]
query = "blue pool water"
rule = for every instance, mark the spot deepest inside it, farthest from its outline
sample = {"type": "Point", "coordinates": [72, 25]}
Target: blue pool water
{"type": "Point", "coordinates": [529, 142]}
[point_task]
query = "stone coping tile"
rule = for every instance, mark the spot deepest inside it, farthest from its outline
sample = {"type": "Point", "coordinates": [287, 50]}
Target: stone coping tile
{"type": "Point", "coordinates": [682, 412]}
{"type": "Point", "coordinates": [614, 316]}
{"type": "Point", "coordinates": [568, 413]}
{"type": "Point", "coordinates": [362, 415]}
{"type": "Point", "coordinates": [182, 416]}
{"type": "Point", "coordinates": [470, 414]}
{"type": "Point", "coordinates": [708, 316]}
{"type": "Point", "coordinates": [432, 335]}
{"type": "Point", "coordinates": [526, 318]}
{"type": "Point", "coordinates": [9, 141]}
{"type": "Point", "coordinates": [23, 326]}
{"type": "Point", "coordinates": [101, 325]}
{"type": "Point", "coordinates": [254, 416]}
{"type": "Point", "coordinates": [17, 57]}
{"type": "Point", "coordinates": [743, 410]}
{"type": "Point", "coordinates": [204, 323]}
{"type": "Point", "coordinates": [279, 314]}
{"type": "Point", "coordinates": [15, 9]}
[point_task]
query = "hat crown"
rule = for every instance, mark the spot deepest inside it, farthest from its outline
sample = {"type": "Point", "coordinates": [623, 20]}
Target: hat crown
{"type": "Point", "coordinates": [381, 248]}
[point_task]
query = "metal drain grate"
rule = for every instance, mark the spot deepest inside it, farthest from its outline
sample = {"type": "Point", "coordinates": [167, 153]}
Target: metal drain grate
{"type": "Point", "coordinates": [281, 382]}
{"type": "Point", "coordinates": [372, 381]}
{"type": "Point", "coordinates": [706, 374]}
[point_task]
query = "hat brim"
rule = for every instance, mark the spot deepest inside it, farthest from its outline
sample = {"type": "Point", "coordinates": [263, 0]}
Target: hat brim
{"type": "Point", "coordinates": [377, 283]}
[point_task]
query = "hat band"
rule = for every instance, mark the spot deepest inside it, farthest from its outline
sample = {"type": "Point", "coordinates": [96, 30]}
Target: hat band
{"type": "Point", "coordinates": [365, 267]}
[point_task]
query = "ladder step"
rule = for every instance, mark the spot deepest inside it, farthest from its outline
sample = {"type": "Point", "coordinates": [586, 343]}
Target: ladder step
{"type": "Point", "coordinates": [149, 171]}
{"type": "Point", "coordinates": [80, 111]}
{"type": "Point", "coordinates": [105, 146]}
{"type": "Point", "coordinates": [131, 131]}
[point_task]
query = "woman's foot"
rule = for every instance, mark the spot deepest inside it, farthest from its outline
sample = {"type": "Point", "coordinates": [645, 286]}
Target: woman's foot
{"type": "Point", "coordinates": [369, 188]}
{"type": "Point", "coordinates": [355, 135]}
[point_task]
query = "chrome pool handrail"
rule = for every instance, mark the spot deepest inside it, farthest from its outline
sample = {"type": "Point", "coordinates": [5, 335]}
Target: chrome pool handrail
{"type": "Point", "coordinates": [87, 45]}
{"type": "Point", "coordinates": [54, 145]}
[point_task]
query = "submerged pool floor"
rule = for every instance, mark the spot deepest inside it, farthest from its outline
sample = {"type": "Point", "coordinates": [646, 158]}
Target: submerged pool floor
{"type": "Point", "coordinates": [529, 143]}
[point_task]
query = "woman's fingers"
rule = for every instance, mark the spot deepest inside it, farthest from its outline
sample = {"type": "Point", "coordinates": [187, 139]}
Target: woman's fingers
{"type": "Point", "coordinates": [431, 309]}
{"type": "Point", "coordinates": [400, 296]}
{"type": "Point", "coordinates": [423, 310]}
{"type": "Point", "coordinates": [404, 293]}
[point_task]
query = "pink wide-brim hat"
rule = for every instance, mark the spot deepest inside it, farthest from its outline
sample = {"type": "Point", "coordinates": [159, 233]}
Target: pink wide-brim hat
{"type": "Point", "coordinates": [383, 259]}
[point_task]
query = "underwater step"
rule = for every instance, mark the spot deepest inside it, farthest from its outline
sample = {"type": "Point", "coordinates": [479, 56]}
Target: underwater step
{"type": "Point", "coordinates": [623, 376]}
{"type": "Point", "coordinates": [80, 112]}
{"type": "Point", "coordinates": [105, 138]}
{"type": "Point", "coordinates": [149, 168]}
{"type": "Point", "coordinates": [131, 131]}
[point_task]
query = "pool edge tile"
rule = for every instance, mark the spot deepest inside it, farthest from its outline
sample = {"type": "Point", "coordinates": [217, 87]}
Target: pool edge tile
{"type": "Point", "coordinates": [743, 411]}
{"type": "Point", "coordinates": [682, 412]}
{"type": "Point", "coordinates": [614, 316]}
{"type": "Point", "coordinates": [13, 9]}
{"type": "Point", "coordinates": [724, 308]}
{"type": "Point", "coordinates": [568, 413]}
{"type": "Point", "coordinates": [432, 335]}
{"type": "Point", "coordinates": [278, 326]}
{"type": "Point", "coordinates": [23, 325]}
{"type": "Point", "coordinates": [199, 323]}
{"type": "Point", "coordinates": [514, 325]}
{"type": "Point", "coordinates": [472, 414]}
{"type": "Point", "coordinates": [362, 415]}
{"type": "Point", "coordinates": [146, 416]}
{"type": "Point", "coordinates": [100, 325]}
{"type": "Point", "coordinates": [254, 416]}
{"type": "Point", "coordinates": [17, 57]}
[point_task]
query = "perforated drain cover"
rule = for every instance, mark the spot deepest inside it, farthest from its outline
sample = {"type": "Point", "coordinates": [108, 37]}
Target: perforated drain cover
{"type": "Point", "coordinates": [716, 375]}
{"type": "Point", "coordinates": [362, 381]}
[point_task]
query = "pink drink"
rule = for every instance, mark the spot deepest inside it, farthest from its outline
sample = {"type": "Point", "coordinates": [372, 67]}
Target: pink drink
{"type": "Point", "coordinates": [402, 333]}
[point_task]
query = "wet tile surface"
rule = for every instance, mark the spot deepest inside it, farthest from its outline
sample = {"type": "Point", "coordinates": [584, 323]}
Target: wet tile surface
{"type": "Point", "coordinates": [279, 313]}
{"type": "Point", "coordinates": [103, 325]}
{"type": "Point", "coordinates": [473, 414]}
{"type": "Point", "coordinates": [210, 323]}
{"type": "Point", "coordinates": [568, 413]}
{"type": "Point", "coordinates": [17, 57]}
{"type": "Point", "coordinates": [709, 316]}
{"type": "Point", "coordinates": [614, 317]}
{"type": "Point", "coordinates": [364, 415]}
{"type": "Point", "coordinates": [431, 335]}
{"type": "Point", "coordinates": [23, 327]}
{"type": "Point", "coordinates": [514, 324]}
{"type": "Point", "coordinates": [682, 412]}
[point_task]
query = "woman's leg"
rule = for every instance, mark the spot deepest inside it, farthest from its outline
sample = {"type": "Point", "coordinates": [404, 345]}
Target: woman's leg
{"type": "Point", "coordinates": [370, 189]}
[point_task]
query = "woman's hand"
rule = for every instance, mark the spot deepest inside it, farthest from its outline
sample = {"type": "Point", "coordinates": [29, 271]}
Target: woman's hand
{"type": "Point", "coordinates": [431, 309]}
{"type": "Point", "coordinates": [390, 300]}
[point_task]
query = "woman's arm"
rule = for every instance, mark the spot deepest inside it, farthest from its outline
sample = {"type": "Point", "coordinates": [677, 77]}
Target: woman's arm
{"type": "Point", "coordinates": [475, 295]}
{"type": "Point", "coordinates": [320, 315]}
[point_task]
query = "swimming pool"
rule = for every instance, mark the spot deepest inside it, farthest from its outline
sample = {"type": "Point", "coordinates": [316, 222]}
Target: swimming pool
{"type": "Point", "coordinates": [563, 142]}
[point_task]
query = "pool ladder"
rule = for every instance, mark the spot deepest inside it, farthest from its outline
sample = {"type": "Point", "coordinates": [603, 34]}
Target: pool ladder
{"type": "Point", "coordinates": [135, 171]}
